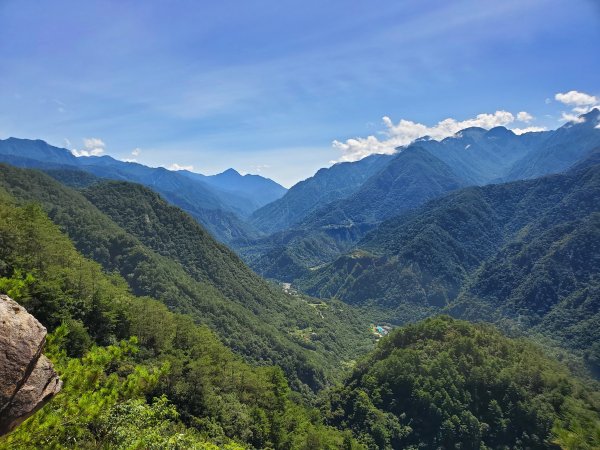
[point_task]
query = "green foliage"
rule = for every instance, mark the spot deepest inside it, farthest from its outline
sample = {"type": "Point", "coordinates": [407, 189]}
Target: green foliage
{"type": "Point", "coordinates": [445, 383]}
{"type": "Point", "coordinates": [17, 285]}
{"type": "Point", "coordinates": [163, 253]}
{"type": "Point", "coordinates": [524, 255]}
{"type": "Point", "coordinates": [115, 351]}
{"type": "Point", "coordinates": [137, 424]}
{"type": "Point", "coordinates": [92, 385]}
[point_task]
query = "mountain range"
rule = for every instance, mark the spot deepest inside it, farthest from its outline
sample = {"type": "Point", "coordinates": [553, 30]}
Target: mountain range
{"type": "Point", "coordinates": [419, 172]}
{"type": "Point", "coordinates": [163, 333]}
{"type": "Point", "coordinates": [216, 201]}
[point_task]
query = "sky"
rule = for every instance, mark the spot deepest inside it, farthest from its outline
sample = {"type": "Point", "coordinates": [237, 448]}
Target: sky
{"type": "Point", "coordinates": [282, 88]}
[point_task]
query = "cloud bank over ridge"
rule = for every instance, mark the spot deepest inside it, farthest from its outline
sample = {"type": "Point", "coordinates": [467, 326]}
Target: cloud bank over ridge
{"type": "Point", "coordinates": [406, 131]}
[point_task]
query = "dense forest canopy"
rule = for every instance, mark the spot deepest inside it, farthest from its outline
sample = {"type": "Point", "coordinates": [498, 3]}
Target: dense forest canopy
{"type": "Point", "coordinates": [445, 383]}
{"type": "Point", "coordinates": [163, 253]}
{"type": "Point", "coordinates": [136, 375]}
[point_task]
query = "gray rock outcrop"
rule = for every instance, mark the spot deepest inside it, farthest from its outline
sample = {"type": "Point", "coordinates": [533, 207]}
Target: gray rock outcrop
{"type": "Point", "coordinates": [27, 378]}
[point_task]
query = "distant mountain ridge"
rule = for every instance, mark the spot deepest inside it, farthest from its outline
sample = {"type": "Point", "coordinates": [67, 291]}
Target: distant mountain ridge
{"type": "Point", "coordinates": [333, 183]}
{"type": "Point", "coordinates": [259, 190]}
{"type": "Point", "coordinates": [217, 201]}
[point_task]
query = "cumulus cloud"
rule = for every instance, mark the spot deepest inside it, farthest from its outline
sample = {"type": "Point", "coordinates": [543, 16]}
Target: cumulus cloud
{"type": "Point", "coordinates": [524, 116]}
{"type": "Point", "coordinates": [176, 166]}
{"type": "Point", "coordinates": [406, 131]}
{"type": "Point", "coordinates": [579, 102]}
{"type": "Point", "coordinates": [403, 133]}
{"type": "Point", "coordinates": [92, 147]}
{"type": "Point", "coordinates": [576, 98]}
{"type": "Point", "coordinates": [570, 117]}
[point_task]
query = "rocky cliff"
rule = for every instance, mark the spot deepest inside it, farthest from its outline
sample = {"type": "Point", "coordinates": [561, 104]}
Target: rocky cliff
{"type": "Point", "coordinates": [27, 378]}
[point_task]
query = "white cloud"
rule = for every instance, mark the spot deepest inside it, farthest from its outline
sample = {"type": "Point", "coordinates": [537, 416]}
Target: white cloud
{"type": "Point", "coordinates": [406, 131]}
{"type": "Point", "coordinates": [176, 166]}
{"type": "Point", "coordinates": [571, 118]}
{"type": "Point", "coordinates": [528, 130]}
{"type": "Point", "coordinates": [93, 147]}
{"type": "Point", "coordinates": [358, 148]}
{"type": "Point", "coordinates": [524, 116]}
{"type": "Point", "coordinates": [67, 143]}
{"type": "Point", "coordinates": [93, 143]}
{"type": "Point", "coordinates": [580, 103]}
{"type": "Point", "coordinates": [136, 151]}
{"type": "Point", "coordinates": [576, 98]}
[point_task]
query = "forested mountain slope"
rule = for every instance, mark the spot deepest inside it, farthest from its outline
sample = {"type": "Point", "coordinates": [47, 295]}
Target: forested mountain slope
{"type": "Point", "coordinates": [135, 374]}
{"type": "Point", "coordinates": [254, 318]}
{"type": "Point", "coordinates": [139, 376]}
{"type": "Point", "coordinates": [407, 181]}
{"type": "Point", "coordinates": [447, 384]}
{"type": "Point", "coordinates": [528, 251]}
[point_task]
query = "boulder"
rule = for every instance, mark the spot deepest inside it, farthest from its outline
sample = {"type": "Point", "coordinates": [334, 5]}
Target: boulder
{"type": "Point", "coordinates": [27, 378]}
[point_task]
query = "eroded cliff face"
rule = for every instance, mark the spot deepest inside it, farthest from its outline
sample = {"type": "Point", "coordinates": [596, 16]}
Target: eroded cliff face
{"type": "Point", "coordinates": [27, 378]}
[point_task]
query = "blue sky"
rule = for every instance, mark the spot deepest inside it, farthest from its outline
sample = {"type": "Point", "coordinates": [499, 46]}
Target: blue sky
{"type": "Point", "coordinates": [267, 86]}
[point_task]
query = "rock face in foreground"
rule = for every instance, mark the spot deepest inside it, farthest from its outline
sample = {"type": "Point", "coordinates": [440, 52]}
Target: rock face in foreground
{"type": "Point", "coordinates": [27, 378]}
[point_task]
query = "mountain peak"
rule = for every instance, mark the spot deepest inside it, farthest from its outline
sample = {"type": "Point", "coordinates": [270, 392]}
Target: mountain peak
{"type": "Point", "coordinates": [471, 132]}
{"type": "Point", "coordinates": [231, 173]}
{"type": "Point", "coordinates": [499, 131]}
{"type": "Point", "coordinates": [591, 115]}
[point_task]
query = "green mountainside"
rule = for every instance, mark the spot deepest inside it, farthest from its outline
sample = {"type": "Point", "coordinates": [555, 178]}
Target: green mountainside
{"type": "Point", "coordinates": [406, 182]}
{"type": "Point", "coordinates": [527, 252]}
{"type": "Point", "coordinates": [135, 374]}
{"type": "Point", "coordinates": [444, 383]}
{"type": "Point", "coordinates": [164, 338]}
{"type": "Point", "coordinates": [165, 254]}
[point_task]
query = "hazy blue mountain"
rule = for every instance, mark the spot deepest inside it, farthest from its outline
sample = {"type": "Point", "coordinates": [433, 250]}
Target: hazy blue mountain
{"type": "Point", "coordinates": [329, 184]}
{"type": "Point", "coordinates": [208, 199]}
{"type": "Point", "coordinates": [407, 181]}
{"type": "Point", "coordinates": [481, 156]}
{"type": "Point", "coordinates": [561, 149]}
{"type": "Point", "coordinates": [36, 150]}
{"type": "Point", "coordinates": [257, 190]}
{"type": "Point", "coordinates": [323, 229]}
